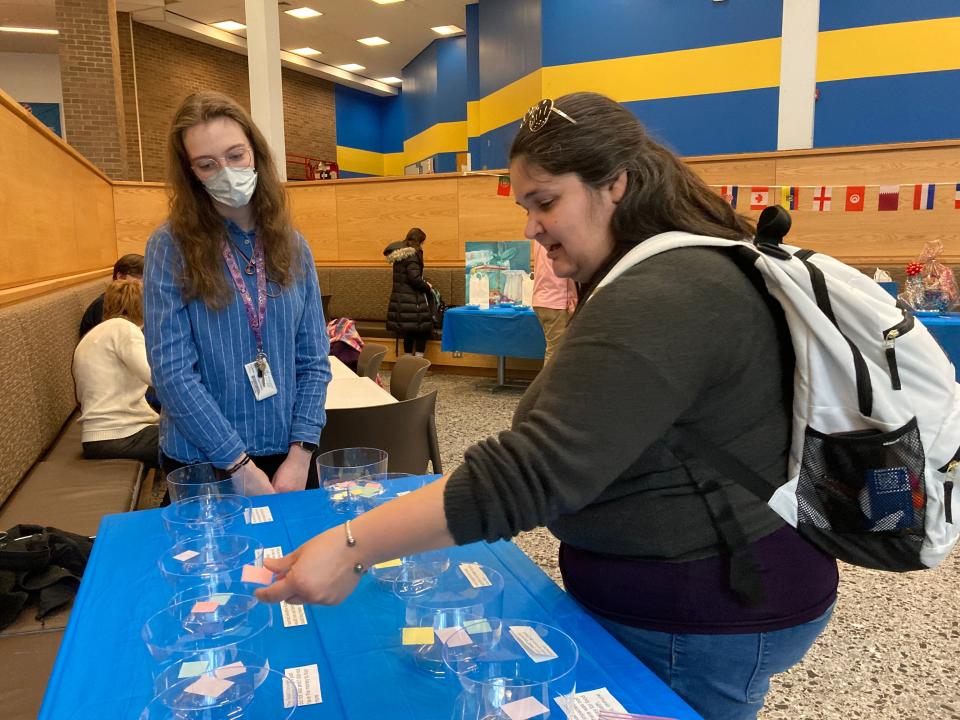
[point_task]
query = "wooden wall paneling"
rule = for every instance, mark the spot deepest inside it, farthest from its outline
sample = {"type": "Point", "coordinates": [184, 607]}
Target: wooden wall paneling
{"type": "Point", "coordinates": [735, 170]}
{"type": "Point", "coordinates": [140, 208]}
{"type": "Point", "coordinates": [314, 211]}
{"type": "Point", "coordinates": [372, 215]}
{"type": "Point", "coordinates": [486, 216]}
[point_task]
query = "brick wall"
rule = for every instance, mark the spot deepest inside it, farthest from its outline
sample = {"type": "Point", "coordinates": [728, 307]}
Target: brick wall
{"type": "Point", "coordinates": [90, 76]}
{"type": "Point", "coordinates": [125, 41]}
{"type": "Point", "coordinates": [170, 67]}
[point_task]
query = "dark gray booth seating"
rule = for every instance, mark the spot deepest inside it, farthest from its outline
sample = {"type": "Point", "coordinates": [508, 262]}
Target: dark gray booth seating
{"type": "Point", "coordinates": [44, 479]}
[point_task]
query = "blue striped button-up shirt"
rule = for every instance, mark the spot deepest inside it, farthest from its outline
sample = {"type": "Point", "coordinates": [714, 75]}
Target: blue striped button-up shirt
{"type": "Point", "coordinates": [197, 358]}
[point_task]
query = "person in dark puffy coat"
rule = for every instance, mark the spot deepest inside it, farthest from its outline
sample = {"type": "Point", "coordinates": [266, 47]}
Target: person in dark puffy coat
{"type": "Point", "coordinates": [409, 314]}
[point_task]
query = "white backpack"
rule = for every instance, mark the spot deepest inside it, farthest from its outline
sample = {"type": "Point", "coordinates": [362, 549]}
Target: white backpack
{"type": "Point", "coordinates": [875, 449]}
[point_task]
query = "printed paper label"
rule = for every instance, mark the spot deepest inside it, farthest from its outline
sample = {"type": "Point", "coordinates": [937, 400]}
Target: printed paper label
{"type": "Point", "coordinates": [532, 643]}
{"type": "Point", "coordinates": [259, 515]}
{"type": "Point", "coordinates": [307, 680]}
{"type": "Point", "coordinates": [293, 615]}
{"type": "Point", "coordinates": [273, 552]}
{"type": "Point", "coordinates": [587, 705]}
{"type": "Point", "coordinates": [475, 574]}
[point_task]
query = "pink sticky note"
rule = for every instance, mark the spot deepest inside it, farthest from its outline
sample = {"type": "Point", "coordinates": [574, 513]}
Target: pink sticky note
{"type": "Point", "coordinates": [258, 575]}
{"type": "Point", "coordinates": [209, 686]}
{"type": "Point", "coordinates": [228, 671]}
{"type": "Point", "coordinates": [458, 638]}
{"type": "Point", "coordinates": [205, 606]}
{"type": "Point", "coordinates": [528, 707]}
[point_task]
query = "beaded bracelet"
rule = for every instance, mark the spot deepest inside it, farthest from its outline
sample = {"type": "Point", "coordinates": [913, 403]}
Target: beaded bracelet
{"type": "Point", "coordinates": [352, 542]}
{"type": "Point", "coordinates": [240, 463]}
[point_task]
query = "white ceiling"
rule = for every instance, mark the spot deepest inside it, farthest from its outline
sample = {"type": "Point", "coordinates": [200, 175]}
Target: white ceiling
{"type": "Point", "coordinates": [405, 24]}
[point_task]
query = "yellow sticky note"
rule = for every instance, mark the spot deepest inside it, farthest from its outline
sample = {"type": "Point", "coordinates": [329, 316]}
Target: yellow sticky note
{"type": "Point", "coordinates": [389, 564]}
{"type": "Point", "coordinates": [418, 636]}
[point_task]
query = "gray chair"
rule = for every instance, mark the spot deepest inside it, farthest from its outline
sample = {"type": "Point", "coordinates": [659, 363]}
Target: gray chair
{"type": "Point", "coordinates": [406, 430]}
{"type": "Point", "coordinates": [368, 364]}
{"type": "Point", "coordinates": [407, 376]}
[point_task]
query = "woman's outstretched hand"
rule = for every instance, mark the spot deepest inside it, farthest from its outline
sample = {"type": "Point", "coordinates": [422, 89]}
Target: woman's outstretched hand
{"type": "Point", "coordinates": [321, 571]}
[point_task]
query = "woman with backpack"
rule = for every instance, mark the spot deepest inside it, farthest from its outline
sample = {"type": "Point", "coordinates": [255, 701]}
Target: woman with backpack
{"type": "Point", "coordinates": [697, 577]}
{"type": "Point", "coordinates": [409, 314]}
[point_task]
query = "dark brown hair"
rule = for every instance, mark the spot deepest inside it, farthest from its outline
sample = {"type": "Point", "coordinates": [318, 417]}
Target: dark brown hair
{"type": "Point", "coordinates": [124, 298]}
{"type": "Point", "coordinates": [130, 265]}
{"type": "Point", "coordinates": [415, 238]}
{"type": "Point", "coordinates": [662, 193]}
{"type": "Point", "coordinates": [194, 220]}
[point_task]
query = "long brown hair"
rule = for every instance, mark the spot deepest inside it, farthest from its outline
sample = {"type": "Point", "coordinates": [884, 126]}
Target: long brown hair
{"type": "Point", "coordinates": [198, 227]}
{"type": "Point", "coordinates": [124, 298]}
{"type": "Point", "coordinates": [607, 139]}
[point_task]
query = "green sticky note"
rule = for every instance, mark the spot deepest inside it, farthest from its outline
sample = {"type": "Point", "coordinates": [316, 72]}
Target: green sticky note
{"type": "Point", "coordinates": [192, 669]}
{"type": "Point", "coordinates": [220, 598]}
{"type": "Point", "coordinates": [477, 626]}
{"type": "Point", "coordinates": [418, 636]}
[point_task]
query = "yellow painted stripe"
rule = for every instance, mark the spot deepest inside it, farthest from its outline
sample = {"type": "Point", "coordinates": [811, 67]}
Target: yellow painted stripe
{"type": "Point", "coordinates": [359, 161]}
{"type": "Point", "coordinates": [717, 69]}
{"type": "Point", "coordinates": [894, 49]}
{"type": "Point", "coordinates": [439, 138]}
{"type": "Point", "coordinates": [393, 163]}
{"type": "Point", "coordinates": [506, 105]}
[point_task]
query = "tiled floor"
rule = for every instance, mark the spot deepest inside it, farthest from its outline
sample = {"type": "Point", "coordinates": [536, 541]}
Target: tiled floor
{"type": "Point", "coordinates": [890, 653]}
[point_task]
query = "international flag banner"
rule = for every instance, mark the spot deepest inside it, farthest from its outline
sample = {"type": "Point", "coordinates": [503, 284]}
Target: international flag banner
{"type": "Point", "coordinates": [956, 198]}
{"type": "Point", "coordinates": [889, 198]}
{"type": "Point", "coordinates": [790, 197]}
{"type": "Point", "coordinates": [923, 196]}
{"type": "Point", "coordinates": [855, 195]}
{"type": "Point", "coordinates": [729, 193]}
{"type": "Point", "coordinates": [503, 186]}
{"type": "Point", "coordinates": [759, 197]}
{"type": "Point", "coordinates": [821, 199]}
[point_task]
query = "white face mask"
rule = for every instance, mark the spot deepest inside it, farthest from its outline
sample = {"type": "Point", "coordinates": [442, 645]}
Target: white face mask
{"type": "Point", "coordinates": [232, 186]}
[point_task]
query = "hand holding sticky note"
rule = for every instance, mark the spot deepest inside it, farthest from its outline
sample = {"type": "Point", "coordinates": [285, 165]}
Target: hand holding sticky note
{"type": "Point", "coordinates": [256, 575]}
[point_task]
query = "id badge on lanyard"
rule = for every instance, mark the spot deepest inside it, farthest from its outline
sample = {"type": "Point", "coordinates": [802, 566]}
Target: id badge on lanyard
{"type": "Point", "coordinates": [258, 370]}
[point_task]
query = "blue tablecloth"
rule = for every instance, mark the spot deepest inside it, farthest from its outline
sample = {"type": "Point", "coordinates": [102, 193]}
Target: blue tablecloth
{"type": "Point", "coordinates": [103, 669]}
{"type": "Point", "coordinates": [946, 329]}
{"type": "Point", "coordinates": [504, 331]}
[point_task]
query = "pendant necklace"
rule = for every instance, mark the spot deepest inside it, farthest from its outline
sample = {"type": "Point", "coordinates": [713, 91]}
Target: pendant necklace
{"type": "Point", "coordinates": [250, 260]}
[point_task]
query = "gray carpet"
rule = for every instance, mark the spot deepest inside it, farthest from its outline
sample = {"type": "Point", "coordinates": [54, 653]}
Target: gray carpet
{"type": "Point", "coordinates": [890, 652]}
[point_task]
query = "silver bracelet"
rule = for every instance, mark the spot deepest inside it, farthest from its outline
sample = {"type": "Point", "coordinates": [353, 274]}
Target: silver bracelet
{"type": "Point", "coordinates": [352, 542]}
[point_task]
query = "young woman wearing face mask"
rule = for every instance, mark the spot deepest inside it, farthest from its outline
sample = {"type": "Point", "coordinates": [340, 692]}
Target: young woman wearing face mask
{"type": "Point", "coordinates": [596, 451]}
{"type": "Point", "coordinates": [234, 326]}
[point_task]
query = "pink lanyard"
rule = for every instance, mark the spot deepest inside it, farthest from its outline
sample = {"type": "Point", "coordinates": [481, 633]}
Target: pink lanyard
{"type": "Point", "coordinates": [254, 318]}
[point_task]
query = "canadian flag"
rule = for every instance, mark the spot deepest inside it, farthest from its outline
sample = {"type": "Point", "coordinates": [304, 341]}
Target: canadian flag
{"type": "Point", "coordinates": [759, 197]}
{"type": "Point", "coordinates": [822, 198]}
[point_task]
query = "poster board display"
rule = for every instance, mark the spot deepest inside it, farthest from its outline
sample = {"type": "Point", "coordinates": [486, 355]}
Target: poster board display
{"type": "Point", "coordinates": [501, 267]}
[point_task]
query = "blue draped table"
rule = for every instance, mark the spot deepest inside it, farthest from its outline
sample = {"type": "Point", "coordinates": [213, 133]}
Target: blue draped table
{"type": "Point", "coordinates": [946, 329]}
{"type": "Point", "coordinates": [103, 669]}
{"type": "Point", "coordinates": [501, 331]}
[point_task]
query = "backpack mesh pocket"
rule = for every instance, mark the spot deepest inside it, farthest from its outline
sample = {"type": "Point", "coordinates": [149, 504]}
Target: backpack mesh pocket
{"type": "Point", "coordinates": [864, 483]}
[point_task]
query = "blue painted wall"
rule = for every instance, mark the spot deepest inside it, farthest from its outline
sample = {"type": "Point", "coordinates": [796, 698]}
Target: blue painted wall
{"type": "Point", "coordinates": [509, 42]}
{"type": "Point", "coordinates": [841, 14]}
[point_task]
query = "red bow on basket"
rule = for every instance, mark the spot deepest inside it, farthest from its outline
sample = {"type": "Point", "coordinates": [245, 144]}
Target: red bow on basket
{"type": "Point", "coordinates": [914, 268]}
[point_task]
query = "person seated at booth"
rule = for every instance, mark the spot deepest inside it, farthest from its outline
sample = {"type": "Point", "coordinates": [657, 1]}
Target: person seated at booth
{"type": "Point", "coordinates": [112, 374]}
{"type": "Point", "coordinates": [129, 266]}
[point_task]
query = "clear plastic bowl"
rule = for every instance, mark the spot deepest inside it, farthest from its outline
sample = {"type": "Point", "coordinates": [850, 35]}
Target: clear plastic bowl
{"type": "Point", "coordinates": [340, 471]}
{"type": "Point", "coordinates": [177, 632]}
{"type": "Point", "coordinates": [494, 669]}
{"type": "Point", "coordinates": [205, 515]}
{"type": "Point", "coordinates": [201, 479]}
{"type": "Point", "coordinates": [197, 665]}
{"type": "Point", "coordinates": [217, 558]}
{"type": "Point", "coordinates": [256, 693]}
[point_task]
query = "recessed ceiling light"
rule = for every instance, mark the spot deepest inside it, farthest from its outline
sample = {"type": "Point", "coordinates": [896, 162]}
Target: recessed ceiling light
{"type": "Point", "coordinates": [447, 29]}
{"type": "Point", "coordinates": [306, 51]}
{"type": "Point", "coordinates": [386, 2]}
{"type": "Point", "coordinates": [390, 80]}
{"type": "Point", "coordinates": [229, 25]}
{"type": "Point", "coordinates": [373, 41]}
{"type": "Point", "coordinates": [303, 13]}
{"type": "Point", "coordinates": [352, 67]}
{"type": "Point", "coordinates": [35, 31]}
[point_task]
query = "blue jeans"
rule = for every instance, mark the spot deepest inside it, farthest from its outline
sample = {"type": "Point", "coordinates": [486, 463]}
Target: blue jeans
{"type": "Point", "coordinates": [722, 677]}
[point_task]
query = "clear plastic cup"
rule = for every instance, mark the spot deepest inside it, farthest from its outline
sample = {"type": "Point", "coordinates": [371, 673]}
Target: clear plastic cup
{"type": "Point", "coordinates": [181, 631]}
{"type": "Point", "coordinates": [212, 560]}
{"type": "Point", "coordinates": [253, 693]}
{"type": "Point", "coordinates": [205, 515]}
{"type": "Point", "coordinates": [201, 479]}
{"type": "Point", "coordinates": [455, 595]}
{"type": "Point", "coordinates": [495, 668]}
{"type": "Point", "coordinates": [342, 472]}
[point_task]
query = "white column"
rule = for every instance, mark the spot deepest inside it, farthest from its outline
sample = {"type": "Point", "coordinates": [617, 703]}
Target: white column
{"type": "Point", "coordinates": [798, 74]}
{"type": "Point", "coordinates": [263, 69]}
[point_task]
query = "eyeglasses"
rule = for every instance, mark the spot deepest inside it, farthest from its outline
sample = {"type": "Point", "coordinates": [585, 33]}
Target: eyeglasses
{"type": "Point", "coordinates": [537, 116]}
{"type": "Point", "coordinates": [236, 157]}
